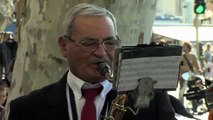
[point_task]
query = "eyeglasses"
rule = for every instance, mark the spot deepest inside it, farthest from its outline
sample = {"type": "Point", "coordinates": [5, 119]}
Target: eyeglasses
{"type": "Point", "coordinates": [91, 45]}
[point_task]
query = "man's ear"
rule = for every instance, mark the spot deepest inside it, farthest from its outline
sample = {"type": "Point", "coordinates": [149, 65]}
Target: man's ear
{"type": "Point", "coordinates": [63, 46]}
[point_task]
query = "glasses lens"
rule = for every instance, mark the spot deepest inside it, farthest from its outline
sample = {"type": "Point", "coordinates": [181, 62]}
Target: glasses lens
{"type": "Point", "coordinates": [111, 45]}
{"type": "Point", "coordinates": [89, 45]}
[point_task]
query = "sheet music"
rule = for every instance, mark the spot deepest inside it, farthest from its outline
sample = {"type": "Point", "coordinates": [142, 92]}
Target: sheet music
{"type": "Point", "coordinates": [163, 69]}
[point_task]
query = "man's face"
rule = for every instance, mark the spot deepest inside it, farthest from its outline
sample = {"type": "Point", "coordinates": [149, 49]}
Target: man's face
{"type": "Point", "coordinates": [185, 48]}
{"type": "Point", "coordinates": [208, 46]}
{"type": "Point", "coordinates": [85, 64]}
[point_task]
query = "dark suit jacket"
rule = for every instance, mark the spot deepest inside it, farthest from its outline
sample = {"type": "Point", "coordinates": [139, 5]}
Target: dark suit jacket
{"type": "Point", "coordinates": [49, 103]}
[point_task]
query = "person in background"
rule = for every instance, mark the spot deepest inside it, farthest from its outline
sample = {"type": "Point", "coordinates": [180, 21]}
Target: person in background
{"type": "Point", "coordinates": [8, 50]}
{"type": "Point", "coordinates": [3, 98]}
{"type": "Point", "coordinates": [207, 56]}
{"type": "Point", "coordinates": [189, 62]}
{"type": "Point", "coordinates": [208, 66]}
{"type": "Point", "coordinates": [210, 116]}
{"type": "Point", "coordinates": [90, 39]}
{"type": "Point", "coordinates": [163, 42]}
{"type": "Point", "coordinates": [193, 60]}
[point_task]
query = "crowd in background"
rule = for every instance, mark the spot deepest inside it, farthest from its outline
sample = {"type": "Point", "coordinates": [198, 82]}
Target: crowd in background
{"type": "Point", "coordinates": [8, 48]}
{"type": "Point", "coordinates": [196, 65]}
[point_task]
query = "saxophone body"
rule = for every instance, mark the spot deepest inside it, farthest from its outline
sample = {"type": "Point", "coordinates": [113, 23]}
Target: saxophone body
{"type": "Point", "coordinates": [117, 107]}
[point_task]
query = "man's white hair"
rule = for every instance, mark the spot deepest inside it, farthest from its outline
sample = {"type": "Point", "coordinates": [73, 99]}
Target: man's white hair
{"type": "Point", "coordinates": [85, 9]}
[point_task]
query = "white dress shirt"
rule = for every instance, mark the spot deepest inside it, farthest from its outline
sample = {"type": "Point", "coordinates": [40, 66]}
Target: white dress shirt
{"type": "Point", "coordinates": [76, 84]}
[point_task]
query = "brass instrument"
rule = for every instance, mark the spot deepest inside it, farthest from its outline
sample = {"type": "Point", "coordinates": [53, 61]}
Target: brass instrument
{"type": "Point", "coordinates": [117, 108]}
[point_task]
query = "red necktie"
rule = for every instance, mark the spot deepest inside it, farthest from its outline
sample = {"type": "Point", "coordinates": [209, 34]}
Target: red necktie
{"type": "Point", "coordinates": [89, 109]}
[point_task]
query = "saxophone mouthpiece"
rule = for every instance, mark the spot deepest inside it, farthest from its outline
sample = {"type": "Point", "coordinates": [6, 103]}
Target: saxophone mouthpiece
{"type": "Point", "coordinates": [105, 70]}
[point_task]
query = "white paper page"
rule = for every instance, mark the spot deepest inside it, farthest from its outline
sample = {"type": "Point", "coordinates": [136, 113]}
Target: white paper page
{"type": "Point", "coordinates": [164, 70]}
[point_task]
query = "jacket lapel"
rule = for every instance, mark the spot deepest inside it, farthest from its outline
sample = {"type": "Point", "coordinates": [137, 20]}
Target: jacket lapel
{"type": "Point", "coordinates": [56, 100]}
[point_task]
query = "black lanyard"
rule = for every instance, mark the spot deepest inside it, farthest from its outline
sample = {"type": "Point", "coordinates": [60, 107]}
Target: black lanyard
{"type": "Point", "coordinates": [109, 98]}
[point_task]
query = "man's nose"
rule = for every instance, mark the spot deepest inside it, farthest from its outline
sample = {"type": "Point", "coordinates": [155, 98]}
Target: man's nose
{"type": "Point", "coordinates": [100, 51]}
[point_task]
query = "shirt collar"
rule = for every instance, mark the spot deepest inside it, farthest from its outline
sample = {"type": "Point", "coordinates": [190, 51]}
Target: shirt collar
{"type": "Point", "coordinates": [76, 84]}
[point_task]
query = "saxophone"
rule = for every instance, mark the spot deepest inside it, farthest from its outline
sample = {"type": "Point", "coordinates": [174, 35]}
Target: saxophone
{"type": "Point", "coordinates": [117, 108]}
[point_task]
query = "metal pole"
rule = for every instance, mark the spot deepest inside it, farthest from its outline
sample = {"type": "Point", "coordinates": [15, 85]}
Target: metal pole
{"type": "Point", "coordinates": [197, 37]}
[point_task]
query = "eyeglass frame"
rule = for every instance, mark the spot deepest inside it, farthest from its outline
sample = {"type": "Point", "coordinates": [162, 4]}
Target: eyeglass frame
{"type": "Point", "coordinates": [83, 41]}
